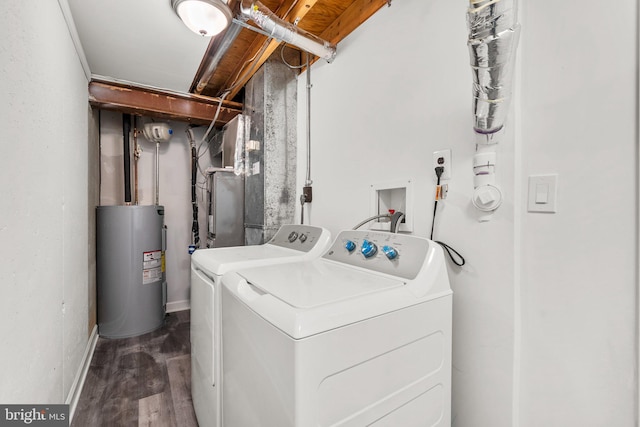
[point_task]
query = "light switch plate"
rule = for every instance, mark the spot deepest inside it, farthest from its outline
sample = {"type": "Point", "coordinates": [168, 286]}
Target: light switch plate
{"type": "Point", "coordinates": [543, 193]}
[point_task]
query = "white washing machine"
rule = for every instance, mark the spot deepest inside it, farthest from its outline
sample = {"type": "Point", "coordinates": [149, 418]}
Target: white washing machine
{"type": "Point", "coordinates": [291, 242]}
{"type": "Point", "coordinates": [359, 337]}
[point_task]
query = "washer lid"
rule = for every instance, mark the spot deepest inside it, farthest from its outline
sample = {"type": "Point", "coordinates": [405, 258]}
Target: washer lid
{"type": "Point", "coordinates": [221, 260]}
{"type": "Point", "coordinates": [305, 285]}
{"type": "Point", "coordinates": [290, 243]}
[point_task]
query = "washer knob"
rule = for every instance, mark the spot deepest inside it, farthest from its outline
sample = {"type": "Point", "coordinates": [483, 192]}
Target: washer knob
{"type": "Point", "coordinates": [350, 246]}
{"type": "Point", "coordinates": [369, 249]}
{"type": "Point", "coordinates": [390, 252]}
{"type": "Point", "coordinates": [293, 236]}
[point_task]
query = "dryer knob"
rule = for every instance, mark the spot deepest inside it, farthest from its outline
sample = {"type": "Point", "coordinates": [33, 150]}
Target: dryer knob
{"type": "Point", "coordinates": [390, 252]}
{"type": "Point", "coordinates": [369, 249]}
{"type": "Point", "coordinates": [293, 236]}
{"type": "Point", "coordinates": [303, 238]}
{"type": "Point", "coordinates": [350, 246]}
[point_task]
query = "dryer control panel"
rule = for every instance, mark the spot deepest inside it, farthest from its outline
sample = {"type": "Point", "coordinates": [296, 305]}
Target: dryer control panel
{"type": "Point", "coordinates": [300, 237]}
{"type": "Point", "coordinates": [396, 254]}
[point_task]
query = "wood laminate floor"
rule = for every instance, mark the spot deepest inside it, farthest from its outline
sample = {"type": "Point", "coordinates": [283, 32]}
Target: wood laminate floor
{"type": "Point", "coordinates": [140, 381]}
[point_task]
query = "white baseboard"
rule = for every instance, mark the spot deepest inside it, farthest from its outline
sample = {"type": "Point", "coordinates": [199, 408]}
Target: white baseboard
{"type": "Point", "coordinates": [178, 306]}
{"type": "Point", "coordinates": [81, 375]}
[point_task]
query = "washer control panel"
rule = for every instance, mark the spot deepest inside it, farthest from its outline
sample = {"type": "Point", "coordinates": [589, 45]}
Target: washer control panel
{"type": "Point", "coordinates": [350, 246]}
{"type": "Point", "coordinates": [390, 252]}
{"type": "Point", "coordinates": [397, 254]}
{"type": "Point", "coordinates": [368, 249]}
{"type": "Point", "coordinates": [299, 237]}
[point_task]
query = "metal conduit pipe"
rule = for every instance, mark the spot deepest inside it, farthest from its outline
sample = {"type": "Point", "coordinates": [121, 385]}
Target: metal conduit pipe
{"type": "Point", "coordinates": [285, 31]}
{"type": "Point", "coordinates": [157, 173]}
{"type": "Point", "coordinates": [307, 190]}
{"type": "Point", "coordinates": [493, 39]}
{"type": "Point", "coordinates": [308, 181]}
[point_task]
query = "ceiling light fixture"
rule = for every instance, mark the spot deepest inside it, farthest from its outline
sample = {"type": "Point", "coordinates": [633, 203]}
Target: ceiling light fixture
{"type": "Point", "coordinates": [204, 17]}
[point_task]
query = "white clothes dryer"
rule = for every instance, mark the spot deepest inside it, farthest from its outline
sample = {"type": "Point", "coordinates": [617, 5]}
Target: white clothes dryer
{"type": "Point", "coordinates": [359, 337]}
{"type": "Point", "coordinates": [291, 242]}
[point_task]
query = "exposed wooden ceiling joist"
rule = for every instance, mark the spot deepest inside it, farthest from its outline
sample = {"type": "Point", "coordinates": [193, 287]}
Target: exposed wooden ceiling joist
{"type": "Point", "coordinates": [296, 14]}
{"type": "Point", "coordinates": [332, 20]}
{"type": "Point", "coordinates": [352, 18]}
{"type": "Point", "coordinates": [142, 101]}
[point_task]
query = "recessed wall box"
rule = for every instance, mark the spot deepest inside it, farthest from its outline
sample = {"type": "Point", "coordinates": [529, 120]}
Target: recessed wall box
{"type": "Point", "coordinates": [392, 196]}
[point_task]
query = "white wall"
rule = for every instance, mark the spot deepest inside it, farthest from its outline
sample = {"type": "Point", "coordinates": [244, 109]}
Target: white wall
{"type": "Point", "coordinates": [175, 193]}
{"type": "Point", "coordinates": [544, 310]}
{"type": "Point", "coordinates": [579, 118]}
{"type": "Point", "coordinates": [43, 208]}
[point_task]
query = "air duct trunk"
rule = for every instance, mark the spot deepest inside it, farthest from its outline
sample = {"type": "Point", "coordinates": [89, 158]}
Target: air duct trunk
{"type": "Point", "coordinates": [285, 31]}
{"type": "Point", "coordinates": [493, 40]}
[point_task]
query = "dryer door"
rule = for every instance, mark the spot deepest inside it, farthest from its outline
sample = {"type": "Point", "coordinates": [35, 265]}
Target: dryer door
{"type": "Point", "coordinates": [202, 324]}
{"type": "Point", "coordinates": [205, 350]}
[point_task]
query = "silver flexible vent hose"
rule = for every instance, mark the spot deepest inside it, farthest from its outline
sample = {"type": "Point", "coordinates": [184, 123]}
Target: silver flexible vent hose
{"type": "Point", "coordinates": [493, 39]}
{"type": "Point", "coordinates": [285, 31]}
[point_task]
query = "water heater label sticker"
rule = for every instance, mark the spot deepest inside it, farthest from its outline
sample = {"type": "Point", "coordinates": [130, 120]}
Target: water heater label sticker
{"type": "Point", "coordinates": [151, 264]}
{"type": "Point", "coordinates": [151, 267]}
{"type": "Point", "coordinates": [151, 275]}
{"type": "Point", "coordinates": [152, 255]}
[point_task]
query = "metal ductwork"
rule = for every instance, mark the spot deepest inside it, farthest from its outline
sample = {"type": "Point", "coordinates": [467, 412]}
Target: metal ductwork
{"type": "Point", "coordinates": [493, 39]}
{"type": "Point", "coordinates": [273, 26]}
{"type": "Point", "coordinates": [221, 44]}
{"type": "Point", "coordinates": [285, 31]}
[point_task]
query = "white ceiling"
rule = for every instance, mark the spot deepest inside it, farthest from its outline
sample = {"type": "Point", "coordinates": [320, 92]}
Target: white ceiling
{"type": "Point", "coordinates": [140, 41]}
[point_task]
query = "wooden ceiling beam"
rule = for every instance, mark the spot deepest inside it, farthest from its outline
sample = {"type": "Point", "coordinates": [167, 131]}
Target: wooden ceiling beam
{"type": "Point", "coordinates": [128, 98]}
{"type": "Point", "coordinates": [357, 13]}
{"type": "Point", "coordinates": [296, 14]}
{"type": "Point", "coordinates": [351, 18]}
{"type": "Point", "coordinates": [300, 10]}
{"type": "Point", "coordinates": [240, 76]}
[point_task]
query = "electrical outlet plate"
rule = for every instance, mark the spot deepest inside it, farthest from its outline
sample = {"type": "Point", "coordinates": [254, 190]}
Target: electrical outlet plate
{"type": "Point", "coordinates": [443, 158]}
